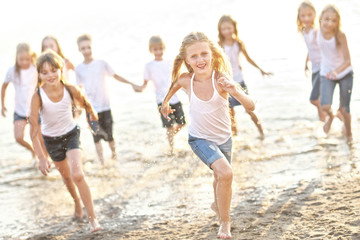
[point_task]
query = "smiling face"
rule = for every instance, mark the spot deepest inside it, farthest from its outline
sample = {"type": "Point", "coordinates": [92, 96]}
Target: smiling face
{"type": "Point", "coordinates": [199, 56]}
{"type": "Point", "coordinates": [307, 16]}
{"type": "Point", "coordinates": [329, 22]}
{"type": "Point", "coordinates": [158, 50]}
{"type": "Point", "coordinates": [49, 74]}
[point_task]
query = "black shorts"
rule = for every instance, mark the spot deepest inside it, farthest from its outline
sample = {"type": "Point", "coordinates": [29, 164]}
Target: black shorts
{"type": "Point", "coordinates": [177, 116]}
{"type": "Point", "coordinates": [106, 127]}
{"type": "Point", "coordinates": [58, 146]}
{"type": "Point", "coordinates": [232, 101]}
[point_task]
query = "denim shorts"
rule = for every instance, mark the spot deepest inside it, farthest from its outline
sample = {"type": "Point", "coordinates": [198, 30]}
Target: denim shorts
{"type": "Point", "coordinates": [327, 90]}
{"type": "Point", "coordinates": [58, 146]}
{"type": "Point", "coordinates": [176, 117]}
{"type": "Point", "coordinates": [232, 101]}
{"type": "Point", "coordinates": [315, 92]}
{"type": "Point", "coordinates": [106, 124]}
{"type": "Point", "coordinates": [209, 152]}
{"type": "Point", "coordinates": [18, 117]}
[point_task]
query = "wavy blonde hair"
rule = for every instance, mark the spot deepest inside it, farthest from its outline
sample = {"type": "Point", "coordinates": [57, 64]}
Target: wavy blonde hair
{"type": "Point", "coordinates": [219, 63]}
{"type": "Point", "coordinates": [305, 4]}
{"type": "Point", "coordinates": [335, 10]}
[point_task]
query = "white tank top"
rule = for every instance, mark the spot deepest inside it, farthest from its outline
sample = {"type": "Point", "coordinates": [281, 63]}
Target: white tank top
{"type": "Point", "coordinates": [313, 49]}
{"type": "Point", "coordinates": [56, 117]}
{"type": "Point", "coordinates": [233, 52]}
{"type": "Point", "coordinates": [331, 57]}
{"type": "Point", "coordinates": [210, 119]}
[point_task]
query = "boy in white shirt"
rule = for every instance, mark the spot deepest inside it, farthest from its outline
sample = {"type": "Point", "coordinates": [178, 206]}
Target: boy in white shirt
{"type": "Point", "coordinates": [159, 72]}
{"type": "Point", "coordinates": [91, 75]}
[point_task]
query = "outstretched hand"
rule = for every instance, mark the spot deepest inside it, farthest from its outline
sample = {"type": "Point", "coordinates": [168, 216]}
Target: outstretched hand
{"type": "Point", "coordinates": [226, 84]}
{"type": "Point", "coordinates": [44, 166]}
{"type": "Point", "coordinates": [266, 74]}
{"type": "Point", "coordinates": [136, 88]}
{"type": "Point", "coordinates": [3, 111]}
{"type": "Point", "coordinates": [166, 110]}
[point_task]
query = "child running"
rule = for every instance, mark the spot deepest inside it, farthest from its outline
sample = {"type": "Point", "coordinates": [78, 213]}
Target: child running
{"type": "Point", "coordinates": [233, 46]}
{"type": "Point", "coordinates": [159, 72]}
{"type": "Point", "coordinates": [54, 100]}
{"type": "Point", "coordinates": [91, 75]}
{"type": "Point", "coordinates": [335, 68]}
{"type": "Point", "coordinates": [24, 78]}
{"type": "Point", "coordinates": [305, 22]}
{"type": "Point", "coordinates": [208, 85]}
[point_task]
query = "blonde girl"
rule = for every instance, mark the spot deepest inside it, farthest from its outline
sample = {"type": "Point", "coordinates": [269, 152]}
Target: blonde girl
{"type": "Point", "coordinates": [233, 46]}
{"type": "Point", "coordinates": [335, 68]}
{"type": "Point", "coordinates": [306, 25]}
{"type": "Point", "coordinates": [54, 100]}
{"type": "Point", "coordinates": [208, 83]}
{"type": "Point", "coordinates": [23, 76]}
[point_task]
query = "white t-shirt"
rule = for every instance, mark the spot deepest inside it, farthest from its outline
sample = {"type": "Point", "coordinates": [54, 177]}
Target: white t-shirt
{"type": "Point", "coordinates": [92, 77]}
{"type": "Point", "coordinates": [24, 85]}
{"type": "Point", "coordinates": [159, 72]}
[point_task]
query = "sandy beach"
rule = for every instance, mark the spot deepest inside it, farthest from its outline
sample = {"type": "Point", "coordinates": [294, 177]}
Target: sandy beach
{"type": "Point", "coordinates": [297, 183]}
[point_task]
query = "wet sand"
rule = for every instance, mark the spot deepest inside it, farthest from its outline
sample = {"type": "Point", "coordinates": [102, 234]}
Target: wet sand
{"type": "Point", "coordinates": [281, 190]}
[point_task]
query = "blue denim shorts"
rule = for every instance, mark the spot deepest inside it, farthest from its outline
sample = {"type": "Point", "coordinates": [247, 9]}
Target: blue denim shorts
{"type": "Point", "coordinates": [209, 152]}
{"type": "Point", "coordinates": [18, 117]}
{"type": "Point", "coordinates": [232, 101]}
{"type": "Point", "coordinates": [315, 92]}
{"type": "Point", "coordinates": [58, 146]}
{"type": "Point", "coordinates": [327, 90]}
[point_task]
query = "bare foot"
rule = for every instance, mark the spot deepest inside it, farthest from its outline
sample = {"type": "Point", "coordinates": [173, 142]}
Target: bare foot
{"type": "Point", "coordinates": [224, 230]}
{"type": "Point", "coordinates": [102, 161]}
{"type": "Point", "coordinates": [78, 214]}
{"type": "Point", "coordinates": [327, 124]}
{"type": "Point", "coordinates": [215, 209]}
{"type": "Point", "coordinates": [94, 225]}
{"type": "Point", "coordinates": [349, 139]}
{"type": "Point", "coordinates": [114, 156]}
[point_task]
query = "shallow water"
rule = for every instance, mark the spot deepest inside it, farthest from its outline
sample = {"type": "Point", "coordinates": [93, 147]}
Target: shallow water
{"type": "Point", "coordinates": [148, 194]}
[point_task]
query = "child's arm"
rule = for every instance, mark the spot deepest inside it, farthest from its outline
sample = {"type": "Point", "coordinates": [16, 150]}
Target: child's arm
{"type": "Point", "coordinates": [243, 49]}
{"type": "Point", "coordinates": [345, 51]}
{"type": "Point", "coordinates": [69, 64]}
{"type": "Point", "coordinates": [121, 79]}
{"type": "Point", "coordinates": [82, 101]}
{"type": "Point", "coordinates": [238, 94]}
{"type": "Point", "coordinates": [140, 88]}
{"type": "Point", "coordinates": [306, 63]}
{"type": "Point", "coordinates": [44, 163]}
{"type": "Point", "coordinates": [174, 87]}
{"type": "Point", "coordinates": [3, 92]}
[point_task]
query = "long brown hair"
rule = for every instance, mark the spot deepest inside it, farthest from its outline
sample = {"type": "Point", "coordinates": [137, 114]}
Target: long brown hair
{"type": "Point", "coordinates": [305, 4]}
{"type": "Point", "coordinates": [20, 48]}
{"type": "Point", "coordinates": [335, 10]}
{"type": "Point", "coordinates": [219, 62]}
{"type": "Point", "coordinates": [60, 51]}
{"type": "Point", "coordinates": [228, 18]}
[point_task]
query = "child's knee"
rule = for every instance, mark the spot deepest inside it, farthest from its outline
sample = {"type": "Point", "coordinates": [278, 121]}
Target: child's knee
{"type": "Point", "coordinates": [326, 108]}
{"type": "Point", "coordinates": [77, 177]}
{"type": "Point", "coordinates": [19, 138]}
{"type": "Point", "coordinates": [226, 175]}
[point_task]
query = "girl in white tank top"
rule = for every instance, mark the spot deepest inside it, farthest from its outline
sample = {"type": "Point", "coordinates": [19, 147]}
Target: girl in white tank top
{"type": "Point", "coordinates": [54, 100]}
{"type": "Point", "coordinates": [335, 68]}
{"type": "Point", "coordinates": [209, 131]}
{"type": "Point", "coordinates": [306, 26]}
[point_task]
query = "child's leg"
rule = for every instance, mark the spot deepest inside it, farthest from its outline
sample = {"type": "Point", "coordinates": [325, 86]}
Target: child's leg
{"type": "Point", "coordinates": [170, 132]}
{"type": "Point", "coordinates": [346, 85]}
{"type": "Point", "coordinates": [19, 129]}
{"type": "Point", "coordinates": [347, 124]}
{"type": "Point", "coordinates": [77, 176]}
{"type": "Point", "coordinates": [257, 122]}
{"type": "Point", "coordinates": [321, 113]}
{"type": "Point", "coordinates": [327, 91]}
{"type": "Point", "coordinates": [233, 122]}
{"type": "Point", "coordinates": [113, 149]}
{"type": "Point", "coordinates": [64, 168]}
{"type": "Point", "coordinates": [99, 151]}
{"type": "Point", "coordinates": [214, 204]}
{"type": "Point", "coordinates": [223, 192]}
